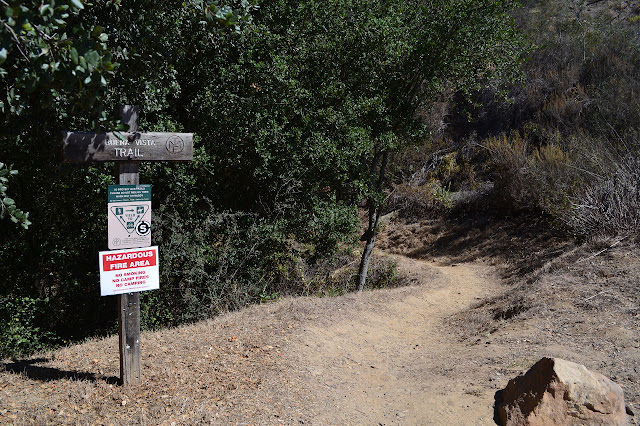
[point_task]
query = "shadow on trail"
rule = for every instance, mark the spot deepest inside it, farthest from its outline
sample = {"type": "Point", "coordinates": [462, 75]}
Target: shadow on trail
{"type": "Point", "coordinates": [519, 244]}
{"type": "Point", "coordinates": [30, 369]}
{"type": "Point", "coordinates": [525, 242]}
{"type": "Point", "coordinates": [497, 397]}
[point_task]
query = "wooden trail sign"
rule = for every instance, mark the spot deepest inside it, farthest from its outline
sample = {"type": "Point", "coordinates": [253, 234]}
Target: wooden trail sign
{"type": "Point", "coordinates": [127, 150]}
{"type": "Point", "coordinates": [133, 146]}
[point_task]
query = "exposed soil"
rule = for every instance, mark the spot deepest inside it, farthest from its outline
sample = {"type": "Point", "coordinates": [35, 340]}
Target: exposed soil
{"type": "Point", "coordinates": [486, 301]}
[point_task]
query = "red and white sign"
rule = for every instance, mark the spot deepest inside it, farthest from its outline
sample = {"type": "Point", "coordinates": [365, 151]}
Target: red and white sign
{"type": "Point", "coordinates": [129, 271]}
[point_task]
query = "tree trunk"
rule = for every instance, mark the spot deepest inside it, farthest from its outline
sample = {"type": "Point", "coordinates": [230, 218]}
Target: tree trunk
{"type": "Point", "coordinates": [375, 210]}
{"type": "Point", "coordinates": [374, 216]}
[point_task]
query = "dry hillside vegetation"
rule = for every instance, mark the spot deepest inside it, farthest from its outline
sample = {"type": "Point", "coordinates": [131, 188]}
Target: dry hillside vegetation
{"type": "Point", "coordinates": [485, 300]}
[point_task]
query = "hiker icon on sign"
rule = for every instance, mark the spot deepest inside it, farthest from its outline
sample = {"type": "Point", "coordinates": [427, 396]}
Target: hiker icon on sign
{"type": "Point", "coordinates": [130, 217]}
{"type": "Point", "coordinates": [175, 144]}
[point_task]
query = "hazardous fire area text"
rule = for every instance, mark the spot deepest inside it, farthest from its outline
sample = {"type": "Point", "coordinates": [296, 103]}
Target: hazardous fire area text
{"type": "Point", "coordinates": [135, 259]}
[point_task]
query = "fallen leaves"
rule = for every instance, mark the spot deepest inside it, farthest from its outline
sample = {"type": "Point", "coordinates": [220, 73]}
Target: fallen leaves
{"type": "Point", "coordinates": [190, 376]}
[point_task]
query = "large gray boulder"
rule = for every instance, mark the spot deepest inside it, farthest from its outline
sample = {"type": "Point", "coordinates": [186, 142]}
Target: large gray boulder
{"type": "Point", "coordinates": [559, 392]}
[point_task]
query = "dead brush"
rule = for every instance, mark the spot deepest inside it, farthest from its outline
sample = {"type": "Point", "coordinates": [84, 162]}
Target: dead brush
{"type": "Point", "coordinates": [510, 159]}
{"type": "Point", "coordinates": [420, 200]}
{"type": "Point", "coordinates": [534, 178]}
{"type": "Point", "coordinates": [610, 204]}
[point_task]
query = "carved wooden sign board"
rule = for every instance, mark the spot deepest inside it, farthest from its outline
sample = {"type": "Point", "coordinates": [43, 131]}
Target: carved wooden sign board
{"type": "Point", "coordinates": [88, 146]}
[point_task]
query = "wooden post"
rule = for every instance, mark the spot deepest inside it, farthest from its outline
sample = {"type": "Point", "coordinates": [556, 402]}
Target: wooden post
{"type": "Point", "coordinates": [127, 173]}
{"type": "Point", "coordinates": [127, 149]}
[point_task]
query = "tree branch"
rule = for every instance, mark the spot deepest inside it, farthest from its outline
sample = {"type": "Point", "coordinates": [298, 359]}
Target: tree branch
{"type": "Point", "coordinates": [17, 39]}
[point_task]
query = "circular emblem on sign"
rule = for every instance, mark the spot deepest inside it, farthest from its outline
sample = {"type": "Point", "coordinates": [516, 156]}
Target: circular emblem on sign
{"type": "Point", "coordinates": [143, 228]}
{"type": "Point", "coordinates": [116, 242]}
{"type": "Point", "coordinates": [175, 144]}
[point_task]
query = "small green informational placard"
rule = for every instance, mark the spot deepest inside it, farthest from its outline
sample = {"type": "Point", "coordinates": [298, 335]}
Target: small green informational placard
{"type": "Point", "coordinates": [126, 193]}
{"type": "Point", "coordinates": [129, 216]}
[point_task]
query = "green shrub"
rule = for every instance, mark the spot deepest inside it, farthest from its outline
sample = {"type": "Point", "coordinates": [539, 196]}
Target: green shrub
{"type": "Point", "coordinates": [21, 329]}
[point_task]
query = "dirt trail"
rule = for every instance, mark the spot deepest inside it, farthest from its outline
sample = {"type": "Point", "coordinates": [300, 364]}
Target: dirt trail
{"type": "Point", "coordinates": [384, 357]}
{"type": "Point", "coordinates": [396, 362]}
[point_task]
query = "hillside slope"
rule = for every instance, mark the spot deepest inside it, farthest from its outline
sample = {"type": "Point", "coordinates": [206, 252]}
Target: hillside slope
{"type": "Point", "coordinates": [485, 302]}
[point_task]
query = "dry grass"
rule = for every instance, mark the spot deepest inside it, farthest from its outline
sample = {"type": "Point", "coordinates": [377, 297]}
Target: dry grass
{"type": "Point", "coordinates": [192, 374]}
{"type": "Point", "coordinates": [581, 304]}
{"type": "Point", "coordinates": [229, 370]}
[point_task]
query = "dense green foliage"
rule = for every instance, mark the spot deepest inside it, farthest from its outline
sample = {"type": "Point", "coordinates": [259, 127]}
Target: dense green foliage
{"type": "Point", "coordinates": [291, 102]}
{"type": "Point", "coordinates": [8, 204]}
{"type": "Point", "coordinates": [48, 56]}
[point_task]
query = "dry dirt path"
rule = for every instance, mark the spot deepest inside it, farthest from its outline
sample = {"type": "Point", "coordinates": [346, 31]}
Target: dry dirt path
{"type": "Point", "coordinates": [384, 357]}
{"type": "Point", "coordinates": [396, 362]}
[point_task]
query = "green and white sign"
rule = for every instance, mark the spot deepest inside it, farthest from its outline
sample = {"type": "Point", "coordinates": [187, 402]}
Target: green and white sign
{"type": "Point", "coordinates": [129, 216]}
